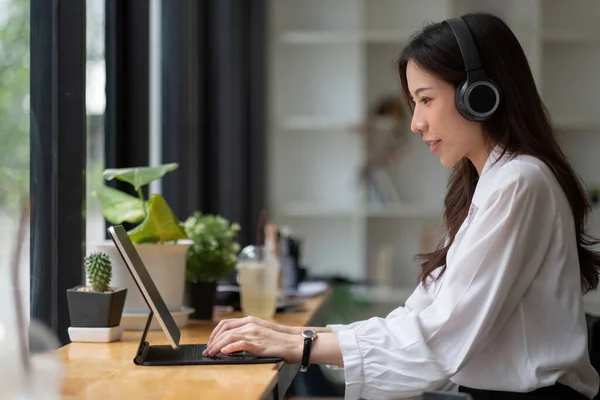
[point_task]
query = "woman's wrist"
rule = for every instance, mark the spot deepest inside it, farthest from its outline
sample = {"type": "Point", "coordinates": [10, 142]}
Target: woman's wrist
{"type": "Point", "coordinates": [295, 349]}
{"type": "Point", "coordinates": [297, 330]}
{"type": "Point", "coordinates": [325, 349]}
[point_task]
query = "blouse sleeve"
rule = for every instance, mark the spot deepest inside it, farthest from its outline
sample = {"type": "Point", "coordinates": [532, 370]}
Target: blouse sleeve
{"type": "Point", "coordinates": [497, 258]}
{"type": "Point", "coordinates": [418, 300]}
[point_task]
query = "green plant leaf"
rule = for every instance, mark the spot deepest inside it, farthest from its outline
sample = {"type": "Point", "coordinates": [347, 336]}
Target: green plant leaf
{"type": "Point", "coordinates": [119, 207]}
{"type": "Point", "coordinates": [160, 225]}
{"type": "Point", "coordinates": [214, 250]}
{"type": "Point", "coordinates": [139, 176]}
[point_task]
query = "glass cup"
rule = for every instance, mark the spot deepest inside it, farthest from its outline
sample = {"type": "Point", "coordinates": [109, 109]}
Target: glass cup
{"type": "Point", "coordinates": [258, 278]}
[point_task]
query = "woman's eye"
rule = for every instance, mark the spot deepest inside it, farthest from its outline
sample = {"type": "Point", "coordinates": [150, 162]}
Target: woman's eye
{"type": "Point", "coordinates": [425, 100]}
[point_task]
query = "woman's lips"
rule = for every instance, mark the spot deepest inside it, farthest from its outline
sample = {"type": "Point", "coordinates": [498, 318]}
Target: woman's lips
{"type": "Point", "coordinates": [434, 145]}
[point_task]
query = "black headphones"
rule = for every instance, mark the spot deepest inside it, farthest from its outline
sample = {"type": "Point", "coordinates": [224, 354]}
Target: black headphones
{"type": "Point", "coordinates": [477, 97]}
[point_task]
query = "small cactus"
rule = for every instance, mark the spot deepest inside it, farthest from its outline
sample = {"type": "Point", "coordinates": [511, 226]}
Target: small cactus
{"type": "Point", "coordinates": [99, 271]}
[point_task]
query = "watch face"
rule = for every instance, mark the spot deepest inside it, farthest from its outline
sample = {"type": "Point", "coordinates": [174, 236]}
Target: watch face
{"type": "Point", "coordinates": [309, 334]}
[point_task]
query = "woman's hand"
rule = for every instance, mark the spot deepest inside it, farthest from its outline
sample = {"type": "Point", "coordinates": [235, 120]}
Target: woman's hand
{"type": "Point", "coordinates": [228, 324]}
{"type": "Point", "coordinates": [260, 341]}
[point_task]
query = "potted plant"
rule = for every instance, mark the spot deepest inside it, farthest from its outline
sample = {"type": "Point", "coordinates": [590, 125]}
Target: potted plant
{"type": "Point", "coordinates": [157, 234]}
{"type": "Point", "coordinates": [96, 305]}
{"type": "Point", "coordinates": [211, 257]}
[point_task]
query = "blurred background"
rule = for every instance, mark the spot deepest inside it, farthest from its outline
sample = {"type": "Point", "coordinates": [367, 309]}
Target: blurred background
{"type": "Point", "coordinates": [293, 106]}
{"type": "Point", "coordinates": [331, 71]}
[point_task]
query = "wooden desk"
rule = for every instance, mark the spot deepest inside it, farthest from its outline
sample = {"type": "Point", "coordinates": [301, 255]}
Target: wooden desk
{"type": "Point", "coordinates": [107, 371]}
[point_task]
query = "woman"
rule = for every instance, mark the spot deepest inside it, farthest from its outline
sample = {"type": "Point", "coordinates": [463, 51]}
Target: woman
{"type": "Point", "coordinates": [499, 306]}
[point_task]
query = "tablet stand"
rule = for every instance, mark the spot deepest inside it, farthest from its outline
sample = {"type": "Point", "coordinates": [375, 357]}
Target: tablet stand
{"type": "Point", "coordinates": [144, 345]}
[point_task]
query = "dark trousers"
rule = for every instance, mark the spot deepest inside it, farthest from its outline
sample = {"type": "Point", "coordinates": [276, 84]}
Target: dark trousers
{"type": "Point", "coordinates": [554, 392]}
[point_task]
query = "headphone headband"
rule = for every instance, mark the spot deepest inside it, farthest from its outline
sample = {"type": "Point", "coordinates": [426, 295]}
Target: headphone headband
{"type": "Point", "coordinates": [477, 97]}
{"type": "Point", "coordinates": [467, 46]}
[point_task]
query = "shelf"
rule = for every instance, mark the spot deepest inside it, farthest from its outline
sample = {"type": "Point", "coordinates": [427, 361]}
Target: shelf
{"type": "Point", "coordinates": [571, 87]}
{"type": "Point", "coordinates": [570, 35]}
{"type": "Point", "coordinates": [404, 211]}
{"type": "Point", "coordinates": [565, 124]}
{"type": "Point", "coordinates": [311, 37]}
{"type": "Point", "coordinates": [318, 123]}
{"type": "Point", "coordinates": [315, 15]}
{"type": "Point", "coordinates": [388, 211]}
{"type": "Point", "coordinates": [570, 21]}
{"type": "Point", "coordinates": [315, 81]}
{"type": "Point", "coordinates": [315, 37]}
{"type": "Point", "coordinates": [387, 36]}
{"type": "Point", "coordinates": [317, 210]}
{"type": "Point", "coordinates": [402, 36]}
{"type": "Point", "coordinates": [404, 14]}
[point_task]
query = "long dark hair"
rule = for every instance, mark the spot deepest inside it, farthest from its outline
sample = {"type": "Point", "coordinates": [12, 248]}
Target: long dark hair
{"type": "Point", "coordinates": [521, 125]}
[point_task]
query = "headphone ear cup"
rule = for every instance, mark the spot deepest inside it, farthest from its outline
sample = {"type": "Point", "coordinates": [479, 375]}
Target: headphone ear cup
{"type": "Point", "coordinates": [480, 100]}
{"type": "Point", "coordinates": [460, 100]}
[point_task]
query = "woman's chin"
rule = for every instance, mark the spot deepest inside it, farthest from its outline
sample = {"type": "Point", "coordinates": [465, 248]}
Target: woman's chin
{"type": "Point", "coordinates": [448, 162]}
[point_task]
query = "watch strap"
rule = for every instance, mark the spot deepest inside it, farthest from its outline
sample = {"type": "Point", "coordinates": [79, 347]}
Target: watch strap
{"type": "Point", "coordinates": [306, 354]}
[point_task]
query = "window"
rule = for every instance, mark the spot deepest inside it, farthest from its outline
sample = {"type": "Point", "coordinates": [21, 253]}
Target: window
{"type": "Point", "coordinates": [14, 138]}
{"type": "Point", "coordinates": [95, 106]}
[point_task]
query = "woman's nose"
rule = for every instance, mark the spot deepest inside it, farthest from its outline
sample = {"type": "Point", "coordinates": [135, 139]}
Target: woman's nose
{"type": "Point", "coordinates": [418, 123]}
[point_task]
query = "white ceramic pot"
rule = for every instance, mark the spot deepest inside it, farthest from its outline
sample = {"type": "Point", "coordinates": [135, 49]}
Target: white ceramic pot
{"type": "Point", "coordinates": [165, 264]}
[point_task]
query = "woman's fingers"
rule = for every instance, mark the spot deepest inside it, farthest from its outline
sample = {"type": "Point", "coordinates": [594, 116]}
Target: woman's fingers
{"type": "Point", "coordinates": [219, 328]}
{"type": "Point", "coordinates": [257, 340]}
{"type": "Point", "coordinates": [228, 324]}
{"type": "Point", "coordinates": [220, 342]}
{"type": "Point", "coordinates": [240, 345]}
{"type": "Point", "coordinates": [249, 331]}
{"type": "Point", "coordinates": [226, 336]}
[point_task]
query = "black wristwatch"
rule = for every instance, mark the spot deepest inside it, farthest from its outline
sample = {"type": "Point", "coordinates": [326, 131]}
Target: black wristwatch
{"type": "Point", "coordinates": [309, 336]}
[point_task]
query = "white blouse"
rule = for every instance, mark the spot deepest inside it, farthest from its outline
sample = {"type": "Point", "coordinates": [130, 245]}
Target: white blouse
{"type": "Point", "coordinates": [507, 314]}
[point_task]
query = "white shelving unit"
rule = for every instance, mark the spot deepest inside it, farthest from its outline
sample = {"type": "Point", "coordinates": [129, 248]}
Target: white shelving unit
{"type": "Point", "coordinates": [330, 60]}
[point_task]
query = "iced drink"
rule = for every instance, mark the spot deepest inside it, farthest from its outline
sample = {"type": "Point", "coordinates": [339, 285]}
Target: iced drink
{"type": "Point", "coordinates": [258, 277]}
